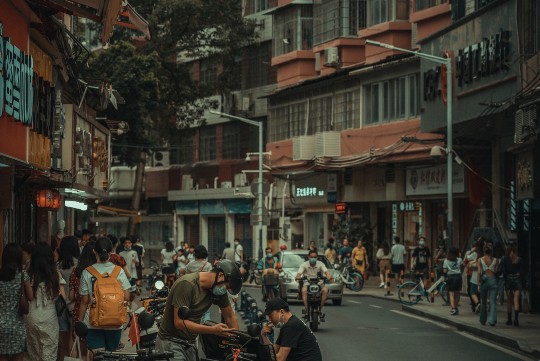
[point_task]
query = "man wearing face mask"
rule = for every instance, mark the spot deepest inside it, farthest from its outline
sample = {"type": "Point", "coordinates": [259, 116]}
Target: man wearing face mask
{"type": "Point", "coordinates": [311, 268]}
{"type": "Point", "coordinates": [198, 291]}
{"type": "Point", "coordinates": [295, 342]}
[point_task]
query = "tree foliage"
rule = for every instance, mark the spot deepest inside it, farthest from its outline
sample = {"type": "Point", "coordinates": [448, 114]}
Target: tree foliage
{"type": "Point", "coordinates": [155, 78]}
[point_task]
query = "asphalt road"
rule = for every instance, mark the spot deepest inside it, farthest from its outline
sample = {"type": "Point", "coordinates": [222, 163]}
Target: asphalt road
{"type": "Point", "coordinates": [366, 328]}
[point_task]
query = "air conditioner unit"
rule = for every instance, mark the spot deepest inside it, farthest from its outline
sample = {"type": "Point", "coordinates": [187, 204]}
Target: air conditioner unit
{"type": "Point", "coordinates": [526, 123]}
{"type": "Point", "coordinates": [331, 56]}
{"type": "Point", "coordinates": [160, 159]}
{"type": "Point", "coordinates": [187, 182]}
{"type": "Point", "coordinates": [304, 147]}
{"type": "Point", "coordinates": [328, 144]}
{"type": "Point", "coordinates": [227, 184]}
{"type": "Point", "coordinates": [246, 103]}
{"type": "Point", "coordinates": [240, 180]}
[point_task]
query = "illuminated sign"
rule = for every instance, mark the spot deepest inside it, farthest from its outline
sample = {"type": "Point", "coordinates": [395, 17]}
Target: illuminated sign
{"type": "Point", "coordinates": [341, 208]}
{"type": "Point", "coordinates": [309, 192]}
{"type": "Point", "coordinates": [16, 76]}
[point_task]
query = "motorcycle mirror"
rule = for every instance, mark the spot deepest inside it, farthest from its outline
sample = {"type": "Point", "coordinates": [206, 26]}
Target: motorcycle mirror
{"type": "Point", "coordinates": [184, 312]}
{"type": "Point", "coordinates": [254, 329]}
{"type": "Point", "coordinates": [140, 310]}
{"type": "Point", "coordinates": [159, 285]}
{"type": "Point", "coordinates": [146, 320]}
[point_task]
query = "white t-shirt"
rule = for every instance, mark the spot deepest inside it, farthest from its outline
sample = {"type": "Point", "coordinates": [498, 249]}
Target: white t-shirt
{"type": "Point", "coordinates": [87, 285]}
{"type": "Point", "coordinates": [130, 257]}
{"type": "Point", "coordinates": [471, 257]}
{"type": "Point", "coordinates": [311, 271]}
{"type": "Point", "coordinates": [398, 254]}
{"type": "Point", "coordinates": [238, 249]}
{"type": "Point", "coordinates": [167, 256]}
{"type": "Point", "coordinates": [453, 267]}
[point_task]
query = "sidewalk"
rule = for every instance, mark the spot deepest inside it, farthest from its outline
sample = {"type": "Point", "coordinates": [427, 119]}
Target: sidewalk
{"type": "Point", "coordinates": [525, 338]}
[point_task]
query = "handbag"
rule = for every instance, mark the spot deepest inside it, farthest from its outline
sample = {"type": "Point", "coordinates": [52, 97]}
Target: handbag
{"type": "Point", "coordinates": [24, 307]}
{"type": "Point", "coordinates": [75, 354]}
{"type": "Point", "coordinates": [60, 305]}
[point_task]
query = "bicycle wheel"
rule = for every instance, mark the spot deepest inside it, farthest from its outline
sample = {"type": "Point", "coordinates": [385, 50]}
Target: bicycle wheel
{"type": "Point", "coordinates": [408, 293]}
{"type": "Point", "coordinates": [443, 290]}
{"type": "Point", "coordinates": [358, 280]}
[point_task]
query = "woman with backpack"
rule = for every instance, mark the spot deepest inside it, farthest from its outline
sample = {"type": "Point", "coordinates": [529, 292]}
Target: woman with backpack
{"type": "Point", "coordinates": [42, 322]}
{"type": "Point", "coordinates": [104, 319]}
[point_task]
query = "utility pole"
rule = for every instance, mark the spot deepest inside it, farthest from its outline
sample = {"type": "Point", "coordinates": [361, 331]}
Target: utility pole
{"type": "Point", "coordinates": [137, 192]}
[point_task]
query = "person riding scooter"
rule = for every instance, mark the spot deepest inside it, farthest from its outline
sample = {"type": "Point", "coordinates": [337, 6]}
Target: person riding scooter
{"type": "Point", "coordinates": [268, 265]}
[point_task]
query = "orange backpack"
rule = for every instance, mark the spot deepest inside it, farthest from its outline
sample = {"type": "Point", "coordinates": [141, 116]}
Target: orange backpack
{"type": "Point", "coordinates": [109, 308]}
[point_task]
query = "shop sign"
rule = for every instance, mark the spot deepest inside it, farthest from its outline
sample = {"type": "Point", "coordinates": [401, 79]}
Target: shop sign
{"type": "Point", "coordinates": [309, 192]}
{"type": "Point", "coordinates": [100, 154]}
{"type": "Point", "coordinates": [433, 180]}
{"type": "Point", "coordinates": [16, 76]}
{"type": "Point", "coordinates": [83, 149]}
{"type": "Point", "coordinates": [341, 208]}
{"type": "Point", "coordinates": [408, 206]}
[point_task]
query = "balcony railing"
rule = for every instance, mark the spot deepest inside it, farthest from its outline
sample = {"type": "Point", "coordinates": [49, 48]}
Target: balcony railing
{"type": "Point", "coordinates": [425, 4]}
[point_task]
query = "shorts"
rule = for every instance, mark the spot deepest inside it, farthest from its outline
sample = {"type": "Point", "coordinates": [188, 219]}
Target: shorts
{"type": "Point", "coordinates": [99, 339]}
{"type": "Point", "coordinates": [397, 268]}
{"type": "Point", "coordinates": [64, 322]}
{"type": "Point", "coordinates": [474, 289]}
{"type": "Point", "coordinates": [385, 265]}
{"type": "Point", "coordinates": [513, 283]}
{"type": "Point", "coordinates": [454, 283]}
{"type": "Point", "coordinates": [424, 271]}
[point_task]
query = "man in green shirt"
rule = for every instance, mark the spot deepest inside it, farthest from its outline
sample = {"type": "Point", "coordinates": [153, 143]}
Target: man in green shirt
{"type": "Point", "coordinates": [198, 291]}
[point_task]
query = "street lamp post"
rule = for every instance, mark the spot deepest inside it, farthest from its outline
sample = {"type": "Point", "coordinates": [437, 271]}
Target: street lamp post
{"type": "Point", "coordinates": [260, 172]}
{"type": "Point", "coordinates": [449, 136]}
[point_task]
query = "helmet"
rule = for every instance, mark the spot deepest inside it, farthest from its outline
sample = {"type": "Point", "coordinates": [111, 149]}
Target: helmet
{"type": "Point", "coordinates": [146, 320]}
{"type": "Point", "coordinates": [232, 275]}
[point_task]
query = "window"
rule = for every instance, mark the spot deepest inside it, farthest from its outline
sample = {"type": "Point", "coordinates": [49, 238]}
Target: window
{"type": "Point", "coordinates": [338, 18]}
{"type": "Point", "coordinates": [293, 29]}
{"type": "Point", "coordinates": [207, 146]}
{"type": "Point", "coordinates": [183, 153]}
{"type": "Point", "coordinates": [392, 99]}
{"type": "Point", "coordinates": [256, 66]}
{"type": "Point", "coordinates": [320, 115]}
{"type": "Point", "coordinates": [425, 4]}
{"type": "Point", "coordinates": [381, 11]}
{"type": "Point", "coordinates": [231, 141]}
{"type": "Point", "coordinates": [345, 110]}
{"type": "Point", "coordinates": [208, 72]}
{"type": "Point", "coordinates": [287, 121]}
{"type": "Point", "coordinates": [255, 6]}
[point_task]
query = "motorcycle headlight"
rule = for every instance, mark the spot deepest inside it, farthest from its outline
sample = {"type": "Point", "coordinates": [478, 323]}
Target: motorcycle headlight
{"type": "Point", "coordinates": [314, 288]}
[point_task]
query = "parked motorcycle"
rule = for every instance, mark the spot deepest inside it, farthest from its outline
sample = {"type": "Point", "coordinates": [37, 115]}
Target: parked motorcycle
{"type": "Point", "coordinates": [314, 296]}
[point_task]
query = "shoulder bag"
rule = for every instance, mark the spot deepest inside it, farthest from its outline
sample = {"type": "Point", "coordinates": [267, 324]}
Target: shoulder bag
{"type": "Point", "coordinates": [60, 305]}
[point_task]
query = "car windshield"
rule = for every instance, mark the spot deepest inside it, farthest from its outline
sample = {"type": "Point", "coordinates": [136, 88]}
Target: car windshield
{"type": "Point", "coordinates": [293, 260]}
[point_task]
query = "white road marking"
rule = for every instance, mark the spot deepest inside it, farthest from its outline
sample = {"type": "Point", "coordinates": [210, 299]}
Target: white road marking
{"type": "Point", "coordinates": [375, 306]}
{"type": "Point", "coordinates": [496, 347]}
{"type": "Point", "coordinates": [351, 301]}
{"type": "Point", "coordinates": [441, 325]}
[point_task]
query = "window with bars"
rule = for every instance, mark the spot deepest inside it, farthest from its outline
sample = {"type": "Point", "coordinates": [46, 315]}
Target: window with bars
{"type": "Point", "coordinates": [208, 72]}
{"type": "Point", "coordinates": [320, 115]}
{"type": "Point", "coordinates": [257, 69]}
{"type": "Point", "coordinates": [381, 11]}
{"type": "Point", "coordinates": [287, 121]}
{"type": "Point", "coordinates": [183, 153]}
{"type": "Point", "coordinates": [338, 18]}
{"type": "Point", "coordinates": [256, 6]}
{"type": "Point", "coordinates": [231, 141]}
{"type": "Point", "coordinates": [392, 99]}
{"type": "Point", "coordinates": [207, 143]}
{"type": "Point", "coordinates": [529, 28]}
{"type": "Point", "coordinates": [345, 110]}
{"type": "Point", "coordinates": [293, 29]}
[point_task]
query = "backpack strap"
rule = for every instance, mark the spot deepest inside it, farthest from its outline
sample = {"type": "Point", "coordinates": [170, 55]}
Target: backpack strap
{"type": "Point", "coordinates": [93, 271]}
{"type": "Point", "coordinates": [115, 272]}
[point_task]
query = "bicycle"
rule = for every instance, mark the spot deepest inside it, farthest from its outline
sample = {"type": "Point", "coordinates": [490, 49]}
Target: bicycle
{"type": "Point", "coordinates": [411, 292]}
{"type": "Point", "coordinates": [352, 279]}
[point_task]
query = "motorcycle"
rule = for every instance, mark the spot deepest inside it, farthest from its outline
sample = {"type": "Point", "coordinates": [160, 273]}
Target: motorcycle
{"type": "Point", "coordinates": [253, 276]}
{"type": "Point", "coordinates": [155, 304]}
{"type": "Point", "coordinates": [155, 276]}
{"type": "Point", "coordinates": [269, 284]}
{"type": "Point", "coordinates": [351, 278]}
{"type": "Point", "coordinates": [314, 296]}
{"type": "Point", "coordinates": [242, 346]}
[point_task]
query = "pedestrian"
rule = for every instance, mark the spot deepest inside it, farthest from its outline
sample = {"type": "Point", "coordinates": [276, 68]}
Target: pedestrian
{"type": "Point", "coordinates": [384, 256]}
{"type": "Point", "coordinates": [138, 247]}
{"type": "Point", "coordinates": [499, 253]}
{"type": "Point", "coordinates": [115, 258]}
{"type": "Point", "coordinates": [42, 322]}
{"type": "Point", "coordinates": [14, 281]}
{"type": "Point", "coordinates": [344, 253]}
{"type": "Point", "coordinates": [312, 246]}
{"type": "Point", "coordinates": [398, 258]}
{"type": "Point", "coordinates": [228, 252]}
{"type": "Point", "coordinates": [360, 258]}
{"type": "Point", "coordinates": [330, 252]}
{"type": "Point", "coordinates": [238, 252]}
{"type": "Point", "coordinates": [452, 267]}
{"type": "Point", "coordinates": [27, 249]}
{"type": "Point", "coordinates": [181, 260]}
{"type": "Point", "coordinates": [132, 259]}
{"type": "Point", "coordinates": [421, 258]}
{"type": "Point", "coordinates": [168, 254]}
{"type": "Point", "coordinates": [86, 259]}
{"type": "Point", "coordinates": [471, 259]}
{"type": "Point", "coordinates": [295, 340]}
{"type": "Point", "coordinates": [190, 254]}
{"type": "Point", "coordinates": [68, 253]}
{"type": "Point", "coordinates": [513, 275]}
{"type": "Point", "coordinates": [99, 337]}
{"type": "Point", "coordinates": [487, 268]}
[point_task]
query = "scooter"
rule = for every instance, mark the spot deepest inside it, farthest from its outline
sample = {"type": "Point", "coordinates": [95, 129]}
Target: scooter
{"type": "Point", "coordinates": [270, 282]}
{"type": "Point", "coordinates": [314, 296]}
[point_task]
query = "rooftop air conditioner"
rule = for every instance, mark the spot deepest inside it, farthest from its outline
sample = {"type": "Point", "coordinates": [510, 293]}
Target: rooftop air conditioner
{"type": "Point", "coordinates": [240, 180]}
{"type": "Point", "coordinates": [331, 56]}
{"type": "Point", "coordinates": [160, 159]}
{"type": "Point", "coordinates": [187, 182]}
{"type": "Point", "coordinates": [304, 147]}
{"type": "Point", "coordinates": [227, 184]}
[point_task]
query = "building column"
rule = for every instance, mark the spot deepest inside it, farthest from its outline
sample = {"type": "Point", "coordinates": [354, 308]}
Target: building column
{"type": "Point", "coordinates": [203, 230]}
{"type": "Point", "coordinates": [229, 227]}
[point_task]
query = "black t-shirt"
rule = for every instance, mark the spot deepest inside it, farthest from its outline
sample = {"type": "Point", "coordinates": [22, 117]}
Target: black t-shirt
{"type": "Point", "coordinates": [296, 335]}
{"type": "Point", "coordinates": [421, 256]}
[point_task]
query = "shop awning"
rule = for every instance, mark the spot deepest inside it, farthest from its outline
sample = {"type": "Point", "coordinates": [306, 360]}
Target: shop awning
{"type": "Point", "coordinates": [118, 211]}
{"type": "Point", "coordinates": [109, 13]}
